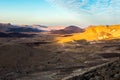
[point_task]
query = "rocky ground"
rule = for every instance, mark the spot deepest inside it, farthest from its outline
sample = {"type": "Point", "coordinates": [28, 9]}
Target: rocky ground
{"type": "Point", "coordinates": [41, 58]}
{"type": "Point", "coordinates": [107, 71]}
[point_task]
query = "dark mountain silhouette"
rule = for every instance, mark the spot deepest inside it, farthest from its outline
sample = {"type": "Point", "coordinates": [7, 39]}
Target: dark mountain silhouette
{"type": "Point", "coordinates": [7, 27]}
{"type": "Point", "coordinates": [68, 30]}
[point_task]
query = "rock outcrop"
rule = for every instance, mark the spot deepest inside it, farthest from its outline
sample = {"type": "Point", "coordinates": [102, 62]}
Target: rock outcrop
{"type": "Point", "coordinates": [107, 71]}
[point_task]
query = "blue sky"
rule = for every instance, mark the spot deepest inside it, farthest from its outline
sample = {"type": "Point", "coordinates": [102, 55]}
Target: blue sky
{"type": "Point", "coordinates": [60, 12]}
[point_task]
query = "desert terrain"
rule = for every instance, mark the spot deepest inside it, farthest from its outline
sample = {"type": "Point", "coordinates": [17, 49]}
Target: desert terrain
{"type": "Point", "coordinates": [41, 57]}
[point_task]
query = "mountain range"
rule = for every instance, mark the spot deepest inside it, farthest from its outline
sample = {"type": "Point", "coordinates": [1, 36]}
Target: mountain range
{"type": "Point", "coordinates": [8, 27]}
{"type": "Point", "coordinates": [27, 28]}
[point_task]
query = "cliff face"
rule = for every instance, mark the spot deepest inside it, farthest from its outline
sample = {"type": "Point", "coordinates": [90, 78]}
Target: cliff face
{"type": "Point", "coordinates": [110, 71]}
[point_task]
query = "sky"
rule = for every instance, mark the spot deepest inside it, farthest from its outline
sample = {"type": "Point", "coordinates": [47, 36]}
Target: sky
{"type": "Point", "coordinates": [60, 12]}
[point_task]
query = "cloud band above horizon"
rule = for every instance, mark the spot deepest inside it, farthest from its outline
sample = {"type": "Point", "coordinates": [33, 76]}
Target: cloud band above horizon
{"type": "Point", "coordinates": [94, 11]}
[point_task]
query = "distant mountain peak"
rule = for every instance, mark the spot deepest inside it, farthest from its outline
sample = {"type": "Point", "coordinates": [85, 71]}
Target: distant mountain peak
{"type": "Point", "coordinates": [68, 30]}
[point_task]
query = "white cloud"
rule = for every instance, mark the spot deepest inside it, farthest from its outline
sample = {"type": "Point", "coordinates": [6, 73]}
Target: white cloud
{"type": "Point", "coordinates": [92, 11]}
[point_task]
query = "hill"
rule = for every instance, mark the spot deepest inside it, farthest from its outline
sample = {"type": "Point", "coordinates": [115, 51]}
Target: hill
{"type": "Point", "coordinates": [68, 30]}
{"type": "Point", "coordinates": [95, 33]}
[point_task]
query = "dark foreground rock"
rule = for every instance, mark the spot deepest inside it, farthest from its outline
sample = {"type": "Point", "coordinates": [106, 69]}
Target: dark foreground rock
{"type": "Point", "coordinates": [107, 71]}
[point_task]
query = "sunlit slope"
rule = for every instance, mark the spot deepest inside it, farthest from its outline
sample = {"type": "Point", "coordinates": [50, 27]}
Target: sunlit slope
{"type": "Point", "coordinates": [94, 33]}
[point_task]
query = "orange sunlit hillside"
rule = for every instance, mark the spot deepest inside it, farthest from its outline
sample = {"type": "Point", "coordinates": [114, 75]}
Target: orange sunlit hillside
{"type": "Point", "coordinates": [94, 33]}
